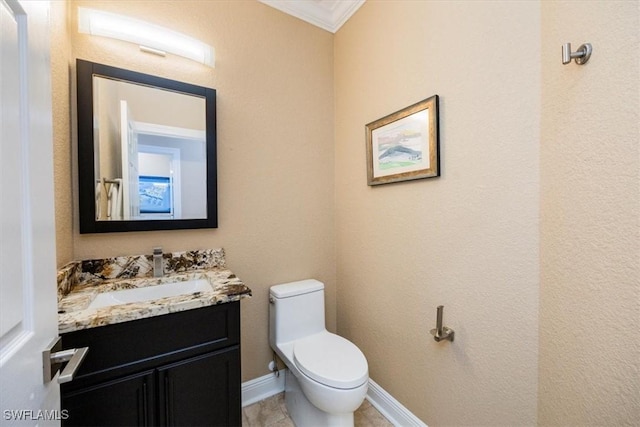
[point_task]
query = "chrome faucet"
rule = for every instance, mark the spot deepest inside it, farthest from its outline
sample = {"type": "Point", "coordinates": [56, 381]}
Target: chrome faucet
{"type": "Point", "coordinates": [158, 269]}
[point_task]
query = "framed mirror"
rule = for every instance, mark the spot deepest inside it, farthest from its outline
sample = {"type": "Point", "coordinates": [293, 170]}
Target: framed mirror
{"type": "Point", "coordinates": [146, 152]}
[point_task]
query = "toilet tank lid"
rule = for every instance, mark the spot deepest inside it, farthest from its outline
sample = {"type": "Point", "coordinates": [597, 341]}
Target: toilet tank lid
{"type": "Point", "coordinates": [291, 289]}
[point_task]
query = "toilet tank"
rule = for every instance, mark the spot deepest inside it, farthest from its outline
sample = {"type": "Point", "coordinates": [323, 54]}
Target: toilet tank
{"type": "Point", "coordinates": [296, 310]}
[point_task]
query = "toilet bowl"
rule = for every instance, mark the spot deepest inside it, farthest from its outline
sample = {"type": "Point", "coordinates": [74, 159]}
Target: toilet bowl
{"type": "Point", "coordinates": [328, 375]}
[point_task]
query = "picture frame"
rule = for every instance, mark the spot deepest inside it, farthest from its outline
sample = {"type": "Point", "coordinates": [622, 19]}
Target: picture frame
{"type": "Point", "coordinates": [404, 145]}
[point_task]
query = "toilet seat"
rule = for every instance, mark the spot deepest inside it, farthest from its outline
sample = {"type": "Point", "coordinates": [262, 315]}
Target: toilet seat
{"type": "Point", "coordinates": [331, 360]}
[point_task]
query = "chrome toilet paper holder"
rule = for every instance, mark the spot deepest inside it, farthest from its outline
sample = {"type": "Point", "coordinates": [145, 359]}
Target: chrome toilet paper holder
{"type": "Point", "coordinates": [441, 333]}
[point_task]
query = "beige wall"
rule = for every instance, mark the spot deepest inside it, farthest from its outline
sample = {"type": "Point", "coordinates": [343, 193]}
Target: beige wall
{"type": "Point", "coordinates": [61, 103]}
{"type": "Point", "coordinates": [529, 238]}
{"type": "Point", "coordinates": [590, 212]}
{"type": "Point", "coordinates": [467, 240]}
{"type": "Point", "coordinates": [274, 82]}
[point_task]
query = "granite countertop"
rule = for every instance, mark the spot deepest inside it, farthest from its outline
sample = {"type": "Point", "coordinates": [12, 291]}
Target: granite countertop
{"type": "Point", "coordinates": [76, 295]}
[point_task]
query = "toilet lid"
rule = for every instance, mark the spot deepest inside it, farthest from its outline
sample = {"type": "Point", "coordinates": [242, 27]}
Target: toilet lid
{"type": "Point", "coordinates": [331, 360]}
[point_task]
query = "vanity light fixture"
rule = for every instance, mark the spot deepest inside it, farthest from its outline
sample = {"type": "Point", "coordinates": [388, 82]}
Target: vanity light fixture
{"type": "Point", "coordinates": [151, 38]}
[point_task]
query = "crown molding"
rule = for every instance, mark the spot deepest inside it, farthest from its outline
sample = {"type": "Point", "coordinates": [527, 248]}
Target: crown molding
{"type": "Point", "coordinates": [329, 15]}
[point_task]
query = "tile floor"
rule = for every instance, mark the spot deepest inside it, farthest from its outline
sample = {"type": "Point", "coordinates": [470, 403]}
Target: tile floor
{"type": "Point", "coordinates": [272, 412]}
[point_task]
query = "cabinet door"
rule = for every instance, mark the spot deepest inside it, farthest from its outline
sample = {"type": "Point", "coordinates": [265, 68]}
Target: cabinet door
{"type": "Point", "coordinates": [126, 401]}
{"type": "Point", "coordinates": [201, 391]}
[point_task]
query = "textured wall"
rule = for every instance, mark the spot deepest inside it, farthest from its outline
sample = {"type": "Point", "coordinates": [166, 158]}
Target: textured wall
{"type": "Point", "coordinates": [467, 240]}
{"type": "Point", "coordinates": [530, 238]}
{"type": "Point", "coordinates": [590, 229]}
{"type": "Point", "coordinates": [274, 82]}
{"type": "Point", "coordinates": [60, 88]}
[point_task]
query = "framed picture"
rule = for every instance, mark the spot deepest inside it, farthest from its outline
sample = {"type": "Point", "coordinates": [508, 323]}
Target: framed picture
{"type": "Point", "coordinates": [404, 145]}
{"type": "Point", "coordinates": [155, 194]}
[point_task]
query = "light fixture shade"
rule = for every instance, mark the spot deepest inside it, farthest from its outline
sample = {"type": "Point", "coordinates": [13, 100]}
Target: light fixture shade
{"type": "Point", "coordinates": [106, 24]}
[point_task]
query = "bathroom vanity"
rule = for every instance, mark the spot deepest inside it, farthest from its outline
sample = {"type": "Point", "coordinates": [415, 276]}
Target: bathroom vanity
{"type": "Point", "coordinates": [173, 360]}
{"type": "Point", "coordinates": [177, 369]}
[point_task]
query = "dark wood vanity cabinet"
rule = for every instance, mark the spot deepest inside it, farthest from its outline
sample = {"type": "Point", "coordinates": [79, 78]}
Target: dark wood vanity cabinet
{"type": "Point", "coordinates": [180, 369]}
{"type": "Point", "coordinates": [124, 401]}
{"type": "Point", "coordinates": [186, 390]}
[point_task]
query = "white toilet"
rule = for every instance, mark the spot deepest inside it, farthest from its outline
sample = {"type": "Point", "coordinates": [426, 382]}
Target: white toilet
{"type": "Point", "coordinates": [328, 375]}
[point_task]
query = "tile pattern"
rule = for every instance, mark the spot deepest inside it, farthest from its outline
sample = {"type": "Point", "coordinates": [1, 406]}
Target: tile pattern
{"type": "Point", "coordinates": [80, 282]}
{"type": "Point", "coordinates": [272, 412]}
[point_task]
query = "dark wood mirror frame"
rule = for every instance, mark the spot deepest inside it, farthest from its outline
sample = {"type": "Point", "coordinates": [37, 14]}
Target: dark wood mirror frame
{"type": "Point", "coordinates": [86, 174]}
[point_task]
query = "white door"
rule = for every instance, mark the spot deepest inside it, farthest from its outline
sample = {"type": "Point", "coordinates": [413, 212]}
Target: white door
{"type": "Point", "coordinates": [28, 313]}
{"type": "Point", "coordinates": [130, 175]}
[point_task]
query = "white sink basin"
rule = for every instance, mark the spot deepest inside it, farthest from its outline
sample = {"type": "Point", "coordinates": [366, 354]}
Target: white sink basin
{"type": "Point", "coordinates": [150, 293]}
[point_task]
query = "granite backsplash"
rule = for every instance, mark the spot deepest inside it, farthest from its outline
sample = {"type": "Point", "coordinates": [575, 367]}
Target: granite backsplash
{"type": "Point", "coordinates": [96, 271]}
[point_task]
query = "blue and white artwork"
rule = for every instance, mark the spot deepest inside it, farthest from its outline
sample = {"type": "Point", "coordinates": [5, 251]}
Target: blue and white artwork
{"type": "Point", "coordinates": [155, 194]}
{"type": "Point", "coordinates": [401, 146]}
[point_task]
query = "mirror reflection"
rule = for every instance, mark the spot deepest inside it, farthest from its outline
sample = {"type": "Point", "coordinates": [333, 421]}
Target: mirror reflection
{"type": "Point", "coordinates": [146, 152]}
{"type": "Point", "coordinates": [150, 152]}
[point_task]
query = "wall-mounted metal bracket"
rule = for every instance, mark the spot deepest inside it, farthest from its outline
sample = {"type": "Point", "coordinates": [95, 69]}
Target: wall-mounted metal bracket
{"type": "Point", "coordinates": [581, 55]}
{"type": "Point", "coordinates": [441, 332]}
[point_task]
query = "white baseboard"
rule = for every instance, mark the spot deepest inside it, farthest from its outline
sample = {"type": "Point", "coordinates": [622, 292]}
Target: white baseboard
{"type": "Point", "coordinates": [392, 410]}
{"type": "Point", "coordinates": [261, 388]}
